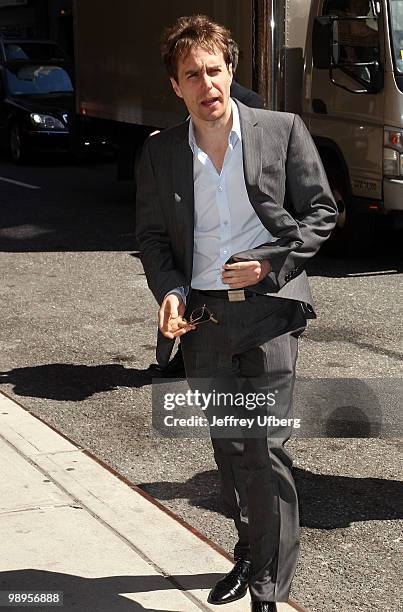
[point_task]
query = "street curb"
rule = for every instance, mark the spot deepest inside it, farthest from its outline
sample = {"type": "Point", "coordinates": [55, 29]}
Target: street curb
{"type": "Point", "coordinates": [144, 494]}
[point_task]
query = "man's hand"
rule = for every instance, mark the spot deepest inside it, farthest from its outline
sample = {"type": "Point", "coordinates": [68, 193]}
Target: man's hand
{"type": "Point", "coordinates": [170, 317]}
{"type": "Point", "coordinates": [245, 273]}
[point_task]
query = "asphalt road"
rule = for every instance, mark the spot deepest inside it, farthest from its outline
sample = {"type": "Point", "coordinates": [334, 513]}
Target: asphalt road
{"type": "Point", "coordinates": [77, 334]}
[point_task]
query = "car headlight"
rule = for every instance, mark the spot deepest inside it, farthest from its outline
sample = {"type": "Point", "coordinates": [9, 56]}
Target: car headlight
{"type": "Point", "coordinates": [393, 152]}
{"type": "Point", "coordinates": [47, 121]}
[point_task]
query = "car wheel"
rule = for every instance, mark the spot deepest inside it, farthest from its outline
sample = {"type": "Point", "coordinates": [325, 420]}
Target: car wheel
{"type": "Point", "coordinates": [17, 149]}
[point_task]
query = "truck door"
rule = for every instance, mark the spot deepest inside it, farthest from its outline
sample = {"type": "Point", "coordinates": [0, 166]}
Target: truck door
{"type": "Point", "coordinates": [348, 123]}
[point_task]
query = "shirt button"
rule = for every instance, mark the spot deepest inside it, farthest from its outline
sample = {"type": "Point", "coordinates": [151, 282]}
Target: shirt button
{"type": "Point", "coordinates": [219, 188]}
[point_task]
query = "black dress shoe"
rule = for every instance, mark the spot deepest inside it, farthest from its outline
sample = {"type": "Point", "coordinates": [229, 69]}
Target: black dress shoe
{"type": "Point", "coordinates": [263, 606]}
{"type": "Point", "coordinates": [233, 586]}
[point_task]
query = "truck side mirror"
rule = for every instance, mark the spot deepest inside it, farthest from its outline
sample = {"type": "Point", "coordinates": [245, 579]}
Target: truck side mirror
{"type": "Point", "coordinates": [322, 36]}
{"type": "Point", "coordinates": [328, 53]}
{"type": "Point", "coordinates": [325, 42]}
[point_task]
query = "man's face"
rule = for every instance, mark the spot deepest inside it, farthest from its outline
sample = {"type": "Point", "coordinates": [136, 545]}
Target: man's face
{"type": "Point", "coordinates": [203, 83]}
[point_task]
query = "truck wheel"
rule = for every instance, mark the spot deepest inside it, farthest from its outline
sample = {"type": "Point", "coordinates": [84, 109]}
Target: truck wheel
{"type": "Point", "coordinates": [17, 149]}
{"type": "Point", "coordinates": [353, 232]}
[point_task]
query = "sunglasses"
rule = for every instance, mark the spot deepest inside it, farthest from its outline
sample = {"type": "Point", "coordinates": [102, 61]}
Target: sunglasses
{"type": "Point", "coordinates": [200, 315]}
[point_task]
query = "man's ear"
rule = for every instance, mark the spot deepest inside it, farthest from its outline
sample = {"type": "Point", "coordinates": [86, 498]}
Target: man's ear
{"type": "Point", "coordinates": [176, 87]}
{"type": "Point", "coordinates": [230, 71]}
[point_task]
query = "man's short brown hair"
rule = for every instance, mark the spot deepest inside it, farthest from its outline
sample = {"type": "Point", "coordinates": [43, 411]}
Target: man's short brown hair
{"type": "Point", "coordinates": [190, 32]}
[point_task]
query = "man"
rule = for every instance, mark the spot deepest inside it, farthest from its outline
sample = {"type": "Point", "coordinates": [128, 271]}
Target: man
{"type": "Point", "coordinates": [176, 368]}
{"type": "Point", "coordinates": [230, 207]}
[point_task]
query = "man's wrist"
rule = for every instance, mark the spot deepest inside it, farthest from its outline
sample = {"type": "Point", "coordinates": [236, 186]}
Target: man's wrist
{"type": "Point", "coordinates": [181, 292]}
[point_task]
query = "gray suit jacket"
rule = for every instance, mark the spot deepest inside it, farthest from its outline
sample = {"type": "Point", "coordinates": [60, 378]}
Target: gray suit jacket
{"type": "Point", "coordinates": [286, 185]}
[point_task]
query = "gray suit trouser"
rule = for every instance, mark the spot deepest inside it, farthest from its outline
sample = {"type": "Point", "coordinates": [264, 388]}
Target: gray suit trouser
{"type": "Point", "coordinates": [253, 348]}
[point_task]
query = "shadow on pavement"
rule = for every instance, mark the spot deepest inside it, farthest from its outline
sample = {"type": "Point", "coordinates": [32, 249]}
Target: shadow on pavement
{"type": "Point", "coordinates": [104, 594]}
{"type": "Point", "coordinates": [71, 382]}
{"type": "Point", "coordinates": [85, 208]}
{"type": "Point", "coordinates": [81, 208]}
{"type": "Point", "coordinates": [383, 260]}
{"type": "Point", "coordinates": [326, 501]}
{"type": "Point", "coordinates": [351, 336]}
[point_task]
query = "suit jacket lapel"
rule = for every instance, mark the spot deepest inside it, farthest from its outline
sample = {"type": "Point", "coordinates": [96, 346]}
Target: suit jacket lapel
{"type": "Point", "coordinates": [182, 166]}
{"type": "Point", "coordinates": [252, 137]}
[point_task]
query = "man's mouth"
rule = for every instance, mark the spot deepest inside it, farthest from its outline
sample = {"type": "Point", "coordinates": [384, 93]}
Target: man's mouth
{"type": "Point", "coordinates": [210, 102]}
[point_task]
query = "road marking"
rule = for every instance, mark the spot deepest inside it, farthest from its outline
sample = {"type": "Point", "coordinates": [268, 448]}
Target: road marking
{"type": "Point", "coordinates": [21, 184]}
{"type": "Point", "coordinates": [374, 273]}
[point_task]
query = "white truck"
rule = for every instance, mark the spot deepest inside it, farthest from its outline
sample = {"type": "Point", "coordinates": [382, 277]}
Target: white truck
{"type": "Point", "coordinates": [339, 63]}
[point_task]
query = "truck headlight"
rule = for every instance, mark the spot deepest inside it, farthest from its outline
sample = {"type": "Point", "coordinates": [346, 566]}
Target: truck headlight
{"type": "Point", "coordinates": [393, 152]}
{"type": "Point", "coordinates": [47, 122]}
{"type": "Point", "coordinates": [391, 162]}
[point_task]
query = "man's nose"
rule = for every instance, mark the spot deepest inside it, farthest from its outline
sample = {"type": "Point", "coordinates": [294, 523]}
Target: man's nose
{"type": "Point", "coordinates": [206, 82]}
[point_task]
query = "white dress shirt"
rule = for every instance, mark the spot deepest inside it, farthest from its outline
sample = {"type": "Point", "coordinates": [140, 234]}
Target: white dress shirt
{"type": "Point", "coordinates": [225, 221]}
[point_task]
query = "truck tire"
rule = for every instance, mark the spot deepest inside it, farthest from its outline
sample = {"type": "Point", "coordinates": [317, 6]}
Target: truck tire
{"type": "Point", "coordinates": [353, 233]}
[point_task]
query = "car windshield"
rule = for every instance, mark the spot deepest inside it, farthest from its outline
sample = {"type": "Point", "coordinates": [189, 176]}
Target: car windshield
{"type": "Point", "coordinates": [33, 51]}
{"type": "Point", "coordinates": [396, 28]}
{"type": "Point", "coordinates": [38, 79]}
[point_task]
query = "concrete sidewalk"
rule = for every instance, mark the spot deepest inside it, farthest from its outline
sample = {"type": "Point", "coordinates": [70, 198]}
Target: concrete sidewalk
{"type": "Point", "coordinates": [69, 523]}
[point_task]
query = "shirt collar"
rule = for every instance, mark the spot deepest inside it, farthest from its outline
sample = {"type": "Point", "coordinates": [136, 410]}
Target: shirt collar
{"type": "Point", "coordinates": [234, 134]}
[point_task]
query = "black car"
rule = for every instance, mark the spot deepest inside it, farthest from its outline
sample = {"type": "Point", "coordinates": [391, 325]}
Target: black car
{"type": "Point", "coordinates": [37, 104]}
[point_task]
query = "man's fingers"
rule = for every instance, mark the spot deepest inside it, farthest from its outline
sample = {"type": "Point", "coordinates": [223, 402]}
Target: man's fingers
{"type": "Point", "coordinates": [168, 310]}
{"type": "Point", "coordinates": [164, 314]}
{"type": "Point", "coordinates": [241, 278]}
{"type": "Point", "coordinates": [239, 275]}
{"type": "Point", "coordinates": [244, 273]}
{"type": "Point", "coordinates": [179, 332]}
{"type": "Point", "coordinates": [167, 334]}
{"type": "Point", "coordinates": [241, 270]}
{"type": "Point", "coordinates": [243, 267]}
{"type": "Point", "coordinates": [170, 318]}
{"type": "Point", "coordinates": [239, 265]}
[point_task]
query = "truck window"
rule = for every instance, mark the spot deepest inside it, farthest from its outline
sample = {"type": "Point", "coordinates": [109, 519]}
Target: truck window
{"type": "Point", "coordinates": [396, 28]}
{"type": "Point", "coordinates": [359, 39]}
